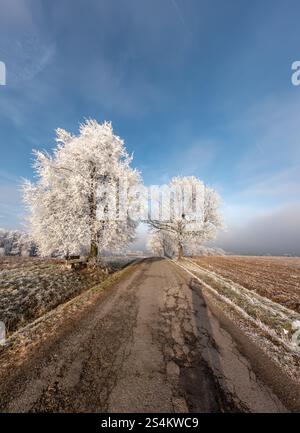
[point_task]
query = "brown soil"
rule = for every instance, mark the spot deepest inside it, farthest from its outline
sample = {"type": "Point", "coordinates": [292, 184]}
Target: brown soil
{"type": "Point", "coordinates": [277, 278]}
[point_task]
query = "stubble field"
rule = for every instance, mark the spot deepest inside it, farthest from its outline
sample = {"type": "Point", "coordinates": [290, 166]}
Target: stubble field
{"type": "Point", "coordinates": [277, 278]}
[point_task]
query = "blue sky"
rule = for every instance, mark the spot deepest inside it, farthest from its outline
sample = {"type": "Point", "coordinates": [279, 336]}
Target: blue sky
{"type": "Point", "coordinates": [194, 87]}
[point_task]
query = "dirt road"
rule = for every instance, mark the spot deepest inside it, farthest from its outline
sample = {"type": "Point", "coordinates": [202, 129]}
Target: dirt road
{"type": "Point", "coordinates": [150, 344]}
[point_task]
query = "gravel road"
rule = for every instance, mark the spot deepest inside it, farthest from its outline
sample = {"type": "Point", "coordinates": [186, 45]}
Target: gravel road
{"type": "Point", "coordinates": [151, 344]}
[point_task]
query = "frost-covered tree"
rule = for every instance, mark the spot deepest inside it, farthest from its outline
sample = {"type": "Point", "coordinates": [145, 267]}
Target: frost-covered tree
{"type": "Point", "coordinates": [83, 194]}
{"type": "Point", "coordinates": [154, 245]}
{"type": "Point", "coordinates": [162, 243]}
{"type": "Point", "coordinates": [189, 213]}
{"type": "Point", "coordinates": [16, 243]}
{"type": "Point", "coordinates": [9, 242]}
{"type": "Point", "coordinates": [205, 250]}
{"type": "Point", "coordinates": [26, 245]}
{"type": "Point", "coordinates": [7, 238]}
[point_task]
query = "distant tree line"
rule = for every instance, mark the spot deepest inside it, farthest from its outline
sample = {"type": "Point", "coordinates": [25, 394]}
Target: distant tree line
{"type": "Point", "coordinates": [16, 243]}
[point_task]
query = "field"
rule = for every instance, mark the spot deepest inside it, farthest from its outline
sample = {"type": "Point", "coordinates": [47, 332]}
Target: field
{"type": "Point", "coordinates": [277, 278]}
{"type": "Point", "coordinates": [30, 287]}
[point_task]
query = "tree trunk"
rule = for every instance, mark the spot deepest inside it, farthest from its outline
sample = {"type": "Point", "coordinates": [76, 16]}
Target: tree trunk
{"type": "Point", "coordinates": [180, 251]}
{"type": "Point", "coordinates": [93, 250]}
{"type": "Point", "coordinates": [93, 215]}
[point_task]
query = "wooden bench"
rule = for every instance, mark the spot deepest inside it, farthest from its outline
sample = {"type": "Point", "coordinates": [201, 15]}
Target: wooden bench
{"type": "Point", "coordinates": [76, 264]}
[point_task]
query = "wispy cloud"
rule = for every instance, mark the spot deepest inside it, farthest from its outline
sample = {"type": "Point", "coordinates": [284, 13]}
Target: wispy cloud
{"type": "Point", "coordinates": [271, 133]}
{"type": "Point", "coordinates": [284, 184]}
{"type": "Point", "coordinates": [25, 58]}
{"type": "Point", "coordinates": [180, 16]}
{"type": "Point", "coordinates": [108, 85]}
{"type": "Point", "coordinates": [195, 157]}
{"type": "Point", "coordinates": [6, 177]}
{"type": "Point", "coordinates": [189, 156]}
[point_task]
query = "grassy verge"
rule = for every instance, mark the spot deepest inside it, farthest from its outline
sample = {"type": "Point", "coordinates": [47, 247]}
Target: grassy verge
{"type": "Point", "coordinates": [27, 339]}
